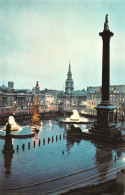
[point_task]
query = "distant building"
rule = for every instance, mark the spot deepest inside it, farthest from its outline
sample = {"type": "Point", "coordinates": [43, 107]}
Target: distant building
{"type": "Point", "coordinates": [10, 84]}
{"type": "Point", "coordinates": [10, 97]}
{"type": "Point", "coordinates": [71, 97]}
{"type": "Point", "coordinates": [117, 97]}
{"type": "Point", "coordinates": [77, 98]}
{"type": "Point", "coordinates": [50, 96]}
{"type": "Point", "coordinates": [37, 88]}
{"type": "Point", "coordinates": [23, 98]}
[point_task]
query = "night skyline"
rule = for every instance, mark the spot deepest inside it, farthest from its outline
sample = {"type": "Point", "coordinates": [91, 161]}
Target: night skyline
{"type": "Point", "coordinates": [39, 38]}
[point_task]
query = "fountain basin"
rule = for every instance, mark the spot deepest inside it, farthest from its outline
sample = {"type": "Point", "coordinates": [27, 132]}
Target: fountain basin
{"type": "Point", "coordinates": [76, 119]}
{"type": "Point", "coordinates": [13, 124]}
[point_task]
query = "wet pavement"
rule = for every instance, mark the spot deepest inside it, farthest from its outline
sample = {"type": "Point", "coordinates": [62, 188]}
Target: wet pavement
{"type": "Point", "coordinates": [58, 164]}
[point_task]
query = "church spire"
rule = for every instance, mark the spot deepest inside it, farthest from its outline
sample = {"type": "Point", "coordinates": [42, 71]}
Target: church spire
{"type": "Point", "coordinates": [69, 68]}
{"type": "Point", "coordinates": [69, 84]}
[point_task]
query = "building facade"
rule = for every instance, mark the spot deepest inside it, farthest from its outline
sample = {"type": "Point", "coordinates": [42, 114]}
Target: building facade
{"type": "Point", "coordinates": [117, 97]}
{"type": "Point", "coordinates": [11, 98]}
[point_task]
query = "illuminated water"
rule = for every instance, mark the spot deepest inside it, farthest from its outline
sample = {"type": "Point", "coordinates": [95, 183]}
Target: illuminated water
{"type": "Point", "coordinates": [55, 159]}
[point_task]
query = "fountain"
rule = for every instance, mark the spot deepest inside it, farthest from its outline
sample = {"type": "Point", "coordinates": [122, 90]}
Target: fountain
{"type": "Point", "coordinates": [75, 118]}
{"type": "Point", "coordinates": [13, 124]}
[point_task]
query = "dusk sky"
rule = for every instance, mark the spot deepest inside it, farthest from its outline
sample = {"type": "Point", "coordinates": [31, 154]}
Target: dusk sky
{"type": "Point", "coordinates": [38, 38]}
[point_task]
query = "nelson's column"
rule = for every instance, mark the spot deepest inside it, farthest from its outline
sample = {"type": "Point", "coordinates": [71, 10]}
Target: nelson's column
{"type": "Point", "coordinates": [104, 127]}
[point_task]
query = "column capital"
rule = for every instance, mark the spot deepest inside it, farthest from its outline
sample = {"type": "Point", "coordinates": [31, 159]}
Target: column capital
{"type": "Point", "coordinates": [106, 34]}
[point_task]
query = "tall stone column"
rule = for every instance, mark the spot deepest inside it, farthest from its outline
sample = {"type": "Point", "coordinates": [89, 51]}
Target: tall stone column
{"type": "Point", "coordinates": [104, 126]}
{"type": "Point", "coordinates": [106, 35]}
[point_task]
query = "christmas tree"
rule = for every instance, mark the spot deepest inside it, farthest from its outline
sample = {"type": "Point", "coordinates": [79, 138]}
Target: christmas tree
{"type": "Point", "coordinates": [35, 110]}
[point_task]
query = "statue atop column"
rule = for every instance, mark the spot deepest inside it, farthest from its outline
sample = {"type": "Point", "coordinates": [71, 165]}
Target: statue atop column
{"type": "Point", "coordinates": [8, 129]}
{"type": "Point", "coordinates": [106, 26]}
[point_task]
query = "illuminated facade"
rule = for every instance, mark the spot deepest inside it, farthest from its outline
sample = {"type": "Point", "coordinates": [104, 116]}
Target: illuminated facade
{"type": "Point", "coordinates": [77, 98]}
{"type": "Point", "coordinates": [11, 98]}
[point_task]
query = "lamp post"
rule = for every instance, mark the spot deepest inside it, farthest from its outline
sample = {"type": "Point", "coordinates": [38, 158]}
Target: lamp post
{"type": "Point", "coordinates": [28, 107]}
{"type": "Point", "coordinates": [14, 104]}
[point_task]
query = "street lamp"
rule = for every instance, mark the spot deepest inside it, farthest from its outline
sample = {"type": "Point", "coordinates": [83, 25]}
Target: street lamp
{"type": "Point", "coordinates": [28, 106]}
{"type": "Point", "coordinates": [14, 104]}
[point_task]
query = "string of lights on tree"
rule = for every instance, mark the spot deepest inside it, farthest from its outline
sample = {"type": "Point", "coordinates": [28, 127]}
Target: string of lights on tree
{"type": "Point", "coordinates": [35, 111]}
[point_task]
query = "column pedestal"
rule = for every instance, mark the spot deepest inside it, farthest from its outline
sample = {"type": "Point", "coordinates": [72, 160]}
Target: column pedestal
{"type": "Point", "coordinates": [104, 126]}
{"type": "Point", "coordinates": [8, 154]}
{"type": "Point", "coordinates": [8, 147]}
